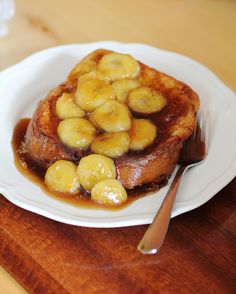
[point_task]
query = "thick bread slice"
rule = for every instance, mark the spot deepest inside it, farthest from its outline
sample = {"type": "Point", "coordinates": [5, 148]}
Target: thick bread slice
{"type": "Point", "coordinates": [175, 124]}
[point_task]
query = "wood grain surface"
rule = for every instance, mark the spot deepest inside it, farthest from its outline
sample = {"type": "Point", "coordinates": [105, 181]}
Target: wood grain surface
{"type": "Point", "coordinates": [199, 254]}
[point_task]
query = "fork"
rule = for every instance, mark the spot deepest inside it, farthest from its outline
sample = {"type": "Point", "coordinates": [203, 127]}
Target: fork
{"type": "Point", "coordinates": [193, 153]}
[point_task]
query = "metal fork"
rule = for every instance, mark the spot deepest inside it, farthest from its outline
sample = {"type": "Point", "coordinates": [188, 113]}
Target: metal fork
{"type": "Point", "coordinates": [193, 153]}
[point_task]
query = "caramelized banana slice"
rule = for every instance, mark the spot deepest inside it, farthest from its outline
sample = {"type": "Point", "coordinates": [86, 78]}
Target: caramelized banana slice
{"type": "Point", "coordinates": [109, 192]}
{"type": "Point", "coordinates": [111, 144]}
{"type": "Point", "coordinates": [66, 107]}
{"type": "Point", "coordinates": [83, 67]}
{"type": "Point", "coordinates": [118, 66]}
{"type": "Point", "coordinates": [122, 87]}
{"type": "Point", "coordinates": [93, 75]}
{"type": "Point", "coordinates": [92, 94]}
{"type": "Point", "coordinates": [76, 132]}
{"type": "Point", "coordinates": [62, 176]}
{"type": "Point", "coordinates": [146, 100]}
{"type": "Point", "coordinates": [95, 168]}
{"type": "Point", "coordinates": [168, 82]}
{"type": "Point", "coordinates": [142, 133]}
{"type": "Point", "coordinates": [112, 116]}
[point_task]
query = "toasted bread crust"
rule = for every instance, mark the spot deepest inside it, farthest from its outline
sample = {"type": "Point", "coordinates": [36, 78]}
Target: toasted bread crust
{"type": "Point", "coordinates": [175, 123]}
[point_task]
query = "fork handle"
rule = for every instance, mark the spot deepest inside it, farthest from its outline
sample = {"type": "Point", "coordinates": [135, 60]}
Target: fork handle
{"type": "Point", "coordinates": [156, 232]}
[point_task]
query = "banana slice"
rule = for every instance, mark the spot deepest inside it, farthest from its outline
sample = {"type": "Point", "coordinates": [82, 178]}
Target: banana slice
{"type": "Point", "coordinates": [62, 176]}
{"type": "Point", "coordinates": [76, 132]}
{"type": "Point", "coordinates": [112, 116]}
{"type": "Point", "coordinates": [95, 168]}
{"type": "Point", "coordinates": [118, 66]}
{"type": "Point", "coordinates": [111, 144]}
{"type": "Point", "coordinates": [66, 107]}
{"type": "Point", "coordinates": [83, 67]}
{"type": "Point", "coordinates": [93, 75]}
{"type": "Point", "coordinates": [122, 87]}
{"type": "Point", "coordinates": [109, 192]}
{"type": "Point", "coordinates": [92, 94]}
{"type": "Point", "coordinates": [142, 133]}
{"type": "Point", "coordinates": [146, 100]}
{"type": "Point", "coordinates": [168, 82]}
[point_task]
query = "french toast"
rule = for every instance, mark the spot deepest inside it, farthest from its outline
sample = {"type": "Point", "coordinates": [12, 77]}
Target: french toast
{"type": "Point", "coordinates": [173, 118]}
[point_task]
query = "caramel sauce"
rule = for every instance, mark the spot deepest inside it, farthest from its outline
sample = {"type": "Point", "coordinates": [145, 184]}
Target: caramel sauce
{"type": "Point", "coordinates": [36, 174]}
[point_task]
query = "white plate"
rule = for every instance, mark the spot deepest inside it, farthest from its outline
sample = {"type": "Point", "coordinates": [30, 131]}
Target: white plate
{"type": "Point", "coordinates": [23, 85]}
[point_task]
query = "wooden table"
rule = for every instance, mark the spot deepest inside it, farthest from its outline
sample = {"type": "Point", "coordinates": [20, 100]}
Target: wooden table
{"type": "Point", "coordinates": [199, 252]}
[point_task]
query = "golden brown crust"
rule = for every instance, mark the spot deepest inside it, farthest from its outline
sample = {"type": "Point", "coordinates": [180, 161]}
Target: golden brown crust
{"type": "Point", "coordinates": [175, 123]}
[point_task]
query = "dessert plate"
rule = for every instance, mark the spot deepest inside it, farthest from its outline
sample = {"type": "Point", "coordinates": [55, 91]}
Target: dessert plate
{"type": "Point", "coordinates": [23, 85]}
